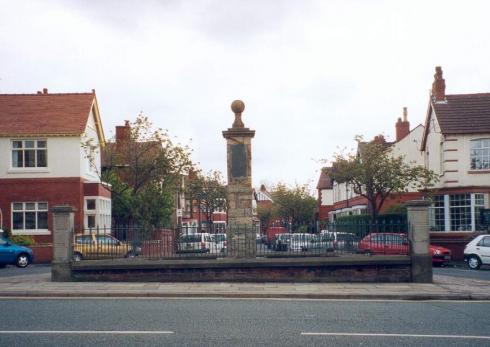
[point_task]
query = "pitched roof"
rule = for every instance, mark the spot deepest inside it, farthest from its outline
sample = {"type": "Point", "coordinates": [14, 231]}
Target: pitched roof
{"type": "Point", "coordinates": [464, 113]}
{"type": "Point", "coordinates": [46, 114]}
{"type": "Point", "coordinates": [324, 182]}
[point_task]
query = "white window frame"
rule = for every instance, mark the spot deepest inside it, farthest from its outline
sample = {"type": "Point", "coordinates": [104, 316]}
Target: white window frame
{"type": "Point", "coordinates": [23, 149]}
{"type": "Point", "coordinates": [102, 212]}
{"type": "Point", "coordinates": [487, 158]}
{"type": "Point", "coordinates": [24, 210]}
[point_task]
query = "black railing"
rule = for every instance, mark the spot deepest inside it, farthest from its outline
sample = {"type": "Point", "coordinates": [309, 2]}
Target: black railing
{"type": "Point", "coordinates": [286, 240]}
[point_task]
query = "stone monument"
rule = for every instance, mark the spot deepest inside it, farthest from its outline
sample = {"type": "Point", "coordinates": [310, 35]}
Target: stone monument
{"type": "Point", "coordinates": [241, 230]}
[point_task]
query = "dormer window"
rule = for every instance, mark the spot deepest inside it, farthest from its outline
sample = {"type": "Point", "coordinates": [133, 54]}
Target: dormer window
{"type": "Point", "coordinates": [480, 154]}
{"type": "Point", "coordinates": [29, 154]}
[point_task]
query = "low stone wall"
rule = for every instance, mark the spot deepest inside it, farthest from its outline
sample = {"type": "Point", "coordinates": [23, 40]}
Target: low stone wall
{"type": "Point", "coordinates": [330, 269]}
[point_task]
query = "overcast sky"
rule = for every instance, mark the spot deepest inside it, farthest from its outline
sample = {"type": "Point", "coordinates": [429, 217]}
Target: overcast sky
{"type": "Point", "coordinates": [312, 74]}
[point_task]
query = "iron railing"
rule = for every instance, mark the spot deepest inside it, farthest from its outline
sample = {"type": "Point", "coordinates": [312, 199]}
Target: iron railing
{"type": "Point", "coordinates": [279, 240]}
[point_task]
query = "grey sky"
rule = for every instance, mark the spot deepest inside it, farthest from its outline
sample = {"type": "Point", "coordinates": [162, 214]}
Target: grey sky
{"type": "Point", "coordinates": [312, 74]}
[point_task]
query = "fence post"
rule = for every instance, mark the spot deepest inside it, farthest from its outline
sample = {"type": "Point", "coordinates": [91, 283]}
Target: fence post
{"type": "Point", "coordinates": [63, 221]}
{"type": "Point", "coordinates": [418, 234]}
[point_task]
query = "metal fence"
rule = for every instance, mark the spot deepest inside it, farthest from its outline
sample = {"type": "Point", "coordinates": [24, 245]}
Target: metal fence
{"type": "Point", "coordinates": [278, 240]}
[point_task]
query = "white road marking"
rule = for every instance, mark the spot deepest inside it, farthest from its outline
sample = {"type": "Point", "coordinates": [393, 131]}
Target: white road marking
{"type": "Point", "coordinates": [177, 298]}
{"type": "Point", "coordinates": [87, 332]}
{"type": "Point", "coordinates": [476, 337]}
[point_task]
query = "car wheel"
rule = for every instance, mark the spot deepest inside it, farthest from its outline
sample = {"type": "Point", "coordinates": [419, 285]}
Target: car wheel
{"type": "Point", "coordinates": [77, 257]}
{"type": "Point", "coordinates": [474, 262]}
{"type": "Point", "coordinates": [22, 260]}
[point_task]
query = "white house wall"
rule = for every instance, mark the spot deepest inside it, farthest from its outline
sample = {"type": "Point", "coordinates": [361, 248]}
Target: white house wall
{"type": "Point", "coordinates": [409, 147]}
{"type": "Point", "coordinates": [449, 156]}
{"type": "Point", "coordinates": [327, 197]}
{"type": "Point", "coordinates": [434, 144]}
{"type": "Point", "coordinates": [63, 158]}
{"type": "Point", "coordinates": [87, 171]}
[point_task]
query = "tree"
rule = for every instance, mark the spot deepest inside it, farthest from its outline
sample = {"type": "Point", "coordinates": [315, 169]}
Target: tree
{"type": "Point", "coordinates": [374, 173]}
{"type": "Point", "coordinates": [208, 192]}
{"type": "Point", "coordinates": [267, 214]}
{"type": "Point", "coordinates": [294, 204]}
{"type": "Point", "coordinates": [144, 170]}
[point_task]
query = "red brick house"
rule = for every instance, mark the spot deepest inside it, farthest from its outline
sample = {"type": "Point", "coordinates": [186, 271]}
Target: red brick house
{"type": "Point", "coordinates": [43, 162]}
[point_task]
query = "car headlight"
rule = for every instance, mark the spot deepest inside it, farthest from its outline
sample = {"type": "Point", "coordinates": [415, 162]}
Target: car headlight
{"type": "Point", "coordinates": [437, 252]}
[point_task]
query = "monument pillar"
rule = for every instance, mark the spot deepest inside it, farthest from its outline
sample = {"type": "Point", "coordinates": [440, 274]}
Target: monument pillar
{"type": "Point", "coordinates": [240, 232]}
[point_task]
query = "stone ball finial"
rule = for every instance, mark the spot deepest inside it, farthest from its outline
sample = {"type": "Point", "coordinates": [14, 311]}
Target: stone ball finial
{"type": "Point", "coordinates": [237, 107]}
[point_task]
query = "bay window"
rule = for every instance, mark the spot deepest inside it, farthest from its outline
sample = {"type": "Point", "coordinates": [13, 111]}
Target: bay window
{"type": "Point", "coordinates": [456, 212]}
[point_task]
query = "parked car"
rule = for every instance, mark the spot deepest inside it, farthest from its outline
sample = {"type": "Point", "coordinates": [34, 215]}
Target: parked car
{"type": "Point", "coordinates": [272, 232]}
{"type": "Point", "coordinates": [440, 255]}
{"type": "Point", "coordinates": [477, 252]}
{"type": "Point", "coordinates": [219, 243]}
{"type": "Point", "coordinates": [95, 246]}
{"type": "Point", "coordinates": [397, 243]}
{"type": "Point", "coordinates": [280, 242]}
{"type": "Point", "coordinates": [300, 241]}
{"type": "Point", "coordinates": [195, 243]}
{"type": "Point", "coordinates": [340, 240]}
{"type": "Point", "coordinates": [384, 243]}
{"type": "Point", "coordinates": [13, 254]}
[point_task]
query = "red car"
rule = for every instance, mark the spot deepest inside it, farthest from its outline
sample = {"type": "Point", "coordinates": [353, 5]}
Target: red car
{"type": "Point", "coordinates": [397, 243]}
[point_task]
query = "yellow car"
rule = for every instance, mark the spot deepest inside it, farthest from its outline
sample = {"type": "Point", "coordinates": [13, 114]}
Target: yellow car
{"type": "Point", "coordinates": [92, 246]}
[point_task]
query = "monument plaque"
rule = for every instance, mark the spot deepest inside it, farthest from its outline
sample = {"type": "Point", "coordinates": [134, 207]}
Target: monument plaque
{"type": "Point", "coordinates": [238, 161]}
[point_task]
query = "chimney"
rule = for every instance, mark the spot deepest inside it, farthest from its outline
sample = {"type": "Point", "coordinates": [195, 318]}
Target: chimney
{"type": "Point", "coordinates": [438, 86]}
{"type": "Point", "coordinates": [402, 126]}
{"type": "Point", "coordinates": [123, 133]}
{"type": "Point", "coordinates": [45, 90]}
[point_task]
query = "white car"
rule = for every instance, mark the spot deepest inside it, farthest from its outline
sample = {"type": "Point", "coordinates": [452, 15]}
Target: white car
{"type": "Point", "coordinates": [300, 242]}
{"type": "Point", "coordinates": [219, 243]}
{"type": "Point", "coordinates": [477, 252]}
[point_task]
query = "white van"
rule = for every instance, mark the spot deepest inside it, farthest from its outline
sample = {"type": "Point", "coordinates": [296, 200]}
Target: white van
{"type": "Point", "coordinates": [195, 243]}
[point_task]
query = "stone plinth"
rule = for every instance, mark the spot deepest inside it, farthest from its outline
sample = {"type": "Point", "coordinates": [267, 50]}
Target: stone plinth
{"type": "Point", "coordinates": [418, 234]}
{"type": "Point", "coordinates": [240, 231]}
{"type": "Point", "coordinates": [63, 218]}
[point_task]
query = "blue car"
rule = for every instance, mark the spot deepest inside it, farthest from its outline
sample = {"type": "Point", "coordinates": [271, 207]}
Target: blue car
{"type": "Point", "coordinates": [11, 253]}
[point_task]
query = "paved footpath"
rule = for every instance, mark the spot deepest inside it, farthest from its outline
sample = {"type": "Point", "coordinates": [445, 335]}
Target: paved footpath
{"type": "Point", "coordinates": [443, 288]}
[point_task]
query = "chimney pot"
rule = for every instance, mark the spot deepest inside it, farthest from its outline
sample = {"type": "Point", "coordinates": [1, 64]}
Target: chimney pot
{"type": "Point", "coordinates": [45, 90]}
{"type": "Point", "coordinates": [39, 92]}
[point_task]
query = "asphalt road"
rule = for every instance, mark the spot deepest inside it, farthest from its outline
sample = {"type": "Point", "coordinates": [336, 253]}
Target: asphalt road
{"type": "Point", "coordinates": [200, 322]}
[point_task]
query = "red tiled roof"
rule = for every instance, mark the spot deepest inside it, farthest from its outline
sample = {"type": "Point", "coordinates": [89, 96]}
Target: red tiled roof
{"type": "Point", "coordinates": [44, 114]}
{"type": "Point", "coordinates": [464, 113]}
{"type": "Point", "coordinates": [324, 182]}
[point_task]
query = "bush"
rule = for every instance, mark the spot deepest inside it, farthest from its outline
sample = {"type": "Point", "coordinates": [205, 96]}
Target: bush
{"type": "Point", "coordinates": [22, 240]}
